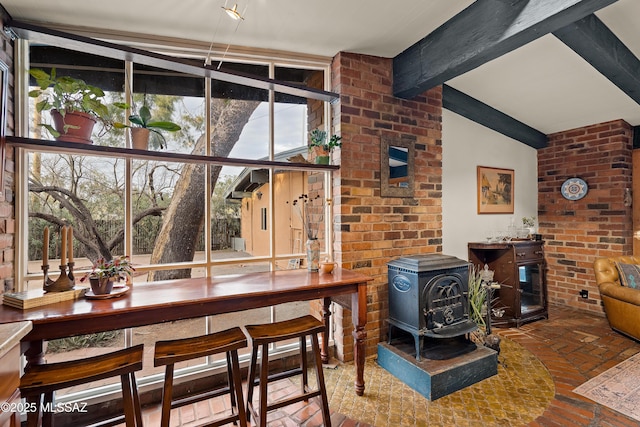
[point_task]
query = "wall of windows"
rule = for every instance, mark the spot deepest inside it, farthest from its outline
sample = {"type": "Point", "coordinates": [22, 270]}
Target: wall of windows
{"type": "Point", "coordinates": [174, 219]}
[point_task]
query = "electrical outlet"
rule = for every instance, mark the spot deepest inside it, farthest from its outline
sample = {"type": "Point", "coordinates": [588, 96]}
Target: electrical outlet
{"type": "Point", "coordinates": [584, 294]}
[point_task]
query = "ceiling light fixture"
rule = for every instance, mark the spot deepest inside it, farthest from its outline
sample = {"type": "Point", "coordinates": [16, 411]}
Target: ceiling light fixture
{"type": "Point", "coordinates": [236, 16]}
{"type": "Point", "coordinates": [233, 12]}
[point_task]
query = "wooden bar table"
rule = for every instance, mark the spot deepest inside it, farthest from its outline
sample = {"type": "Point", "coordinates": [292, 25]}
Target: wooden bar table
{"type": "Point", "coordinates": [156, 302]}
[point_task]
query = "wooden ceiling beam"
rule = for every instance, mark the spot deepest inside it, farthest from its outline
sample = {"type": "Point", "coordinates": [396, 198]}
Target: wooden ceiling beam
{"type": "Point", "coordinates": [485, 30]}
{"type": "Point", "coordinates": [599, 46]}
{"type": "Point", "coordinates": [481, 113]}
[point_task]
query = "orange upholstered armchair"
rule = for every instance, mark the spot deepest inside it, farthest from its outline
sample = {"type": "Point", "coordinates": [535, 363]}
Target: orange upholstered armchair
{"type": "Point", "coordinates": [620, 293]}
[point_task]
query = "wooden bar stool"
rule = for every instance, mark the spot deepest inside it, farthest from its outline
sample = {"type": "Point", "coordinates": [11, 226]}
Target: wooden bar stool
{"type": "Point", "coordinates": [168, 353]}
{"type": "Point", "coordinates": [43, 380]}
{"type": "Point", "coordinates": [260, 336]}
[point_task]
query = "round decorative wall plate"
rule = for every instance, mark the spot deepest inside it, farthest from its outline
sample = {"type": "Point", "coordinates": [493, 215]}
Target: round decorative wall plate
{"type": "Point", "coordinates": [574, 189]}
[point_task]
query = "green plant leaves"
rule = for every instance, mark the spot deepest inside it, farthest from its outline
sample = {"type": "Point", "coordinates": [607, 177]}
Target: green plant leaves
{"type": "Point", "coordinates": [51, 130]}
{"type": "Point", "coordinates": [319, 139]}
{"type": "Point", "coordinates": [477, 296]}
{"type": "Point", "coordinates": [168, 126]}
{"type": "Point", "coordinates": [66, 93]}
{"type": "Point", "coordinates": [144, 114]}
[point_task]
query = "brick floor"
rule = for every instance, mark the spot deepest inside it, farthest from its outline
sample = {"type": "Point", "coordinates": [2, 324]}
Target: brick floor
{"type": "Point", "coordinates": [574, 346]}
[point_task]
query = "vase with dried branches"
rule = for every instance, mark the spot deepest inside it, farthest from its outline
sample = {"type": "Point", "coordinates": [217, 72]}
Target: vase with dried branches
{"type": "Point", "coordinates": [311, 212]}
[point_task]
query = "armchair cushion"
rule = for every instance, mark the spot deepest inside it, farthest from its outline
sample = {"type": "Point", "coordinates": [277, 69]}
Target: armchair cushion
{"type": "Point", "coordinates": [629, 275]}
{"type": "Point", "coordinates": [621, 300]}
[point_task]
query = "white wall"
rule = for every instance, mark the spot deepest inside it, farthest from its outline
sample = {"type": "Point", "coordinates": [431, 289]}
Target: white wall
{"type": "Point", "coordinates": [466, 145]}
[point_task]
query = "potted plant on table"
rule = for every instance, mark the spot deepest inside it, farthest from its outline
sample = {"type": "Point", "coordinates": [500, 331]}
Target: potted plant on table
{"type": "Point", "coordinates": [75, 106]}
{"type": "Point", "coordinates": [530, 224]}
{"type": "Point", "coordinates": [143, 125]}
{"type": "Point", "coordinates": [105, 273]}
{"type": "Point", "coordinates": [322, 147]}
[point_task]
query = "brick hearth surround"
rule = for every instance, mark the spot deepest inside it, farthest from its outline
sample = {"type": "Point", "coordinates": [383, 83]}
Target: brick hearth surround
{"type": "Point", "coordinates": [578, 232]}
{"type": "Point", "coordinates": [371, 230]}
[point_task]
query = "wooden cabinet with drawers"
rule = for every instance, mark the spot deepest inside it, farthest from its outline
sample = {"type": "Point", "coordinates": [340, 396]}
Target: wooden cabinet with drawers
{"type": "Point", "coordinates": [519, 267]}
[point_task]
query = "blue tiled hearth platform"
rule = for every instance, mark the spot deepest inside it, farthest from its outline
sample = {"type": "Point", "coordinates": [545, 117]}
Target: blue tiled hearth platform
{"type": "Point", "coordinates": [437, 377]}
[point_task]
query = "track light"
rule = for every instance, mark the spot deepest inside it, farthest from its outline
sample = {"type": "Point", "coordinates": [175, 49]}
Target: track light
{"type": "Point", "coordinates": [233, 12]}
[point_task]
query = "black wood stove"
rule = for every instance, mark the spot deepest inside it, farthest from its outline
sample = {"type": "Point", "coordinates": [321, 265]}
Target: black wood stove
{"type": "Point", "coordinates": [428, 297]}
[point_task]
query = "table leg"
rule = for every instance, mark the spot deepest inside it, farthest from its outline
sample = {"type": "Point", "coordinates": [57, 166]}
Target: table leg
{"type": "Point", "coordinates": [359, 319]}
{"type": "Point", "coordinates": [34, 352]}
{"type": "Point", "coordinates": [326, 314]}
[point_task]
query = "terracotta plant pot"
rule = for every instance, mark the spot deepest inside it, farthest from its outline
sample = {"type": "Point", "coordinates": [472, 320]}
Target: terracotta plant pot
{"type": "Point", "coordinates": [322, 156]}
{"type": "Point", "coordinates": [140, 138]}
{"type": "Point", "coordinates": [81, 125]}
{"type": "Point", "coordinates": [101, 286]}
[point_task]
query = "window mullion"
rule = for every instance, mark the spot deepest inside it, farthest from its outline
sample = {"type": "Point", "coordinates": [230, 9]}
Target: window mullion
{"type": "Point", "coordinates": [21, 156]}
{"type": "Point", "coordinates": [128, 178]}
{"type": "Point", "coordinates": [128, 194]}
{"type": "Point", "coordinates": [207, 178]}
{"type": "Point", "coordinates": [208, 123]}
{"type": "Point", "coordinates": [271, 213]}
{"type": "Point", "coordinates": [272, 221]}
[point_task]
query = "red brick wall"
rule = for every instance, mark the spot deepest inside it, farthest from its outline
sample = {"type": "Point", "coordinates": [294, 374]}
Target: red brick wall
{"type": "Point", "coordinates": [578, 232]}
{"type": "Point", "coordinates": [7, 217]}
{"type": "Point", "coordinates": [371, 230]}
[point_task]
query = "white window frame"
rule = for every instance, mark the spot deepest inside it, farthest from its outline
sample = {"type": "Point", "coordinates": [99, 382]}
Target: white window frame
{"type": "Point", "coordinates": [21, 273]}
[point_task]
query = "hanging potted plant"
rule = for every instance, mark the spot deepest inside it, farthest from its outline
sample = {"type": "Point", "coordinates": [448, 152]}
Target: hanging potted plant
{"type": "Point", "coordinates": [142, 125]}
{"type": "Point", "coordinates": [106, 272]}
{"type": "Point", "coordinates": [322, 147]}
{"type": "Point", "coordinates": [75, 106]}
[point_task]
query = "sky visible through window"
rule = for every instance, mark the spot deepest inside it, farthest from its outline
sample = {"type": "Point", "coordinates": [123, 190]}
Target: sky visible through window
{"type": "Point", "coordinates": [290, 132]}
